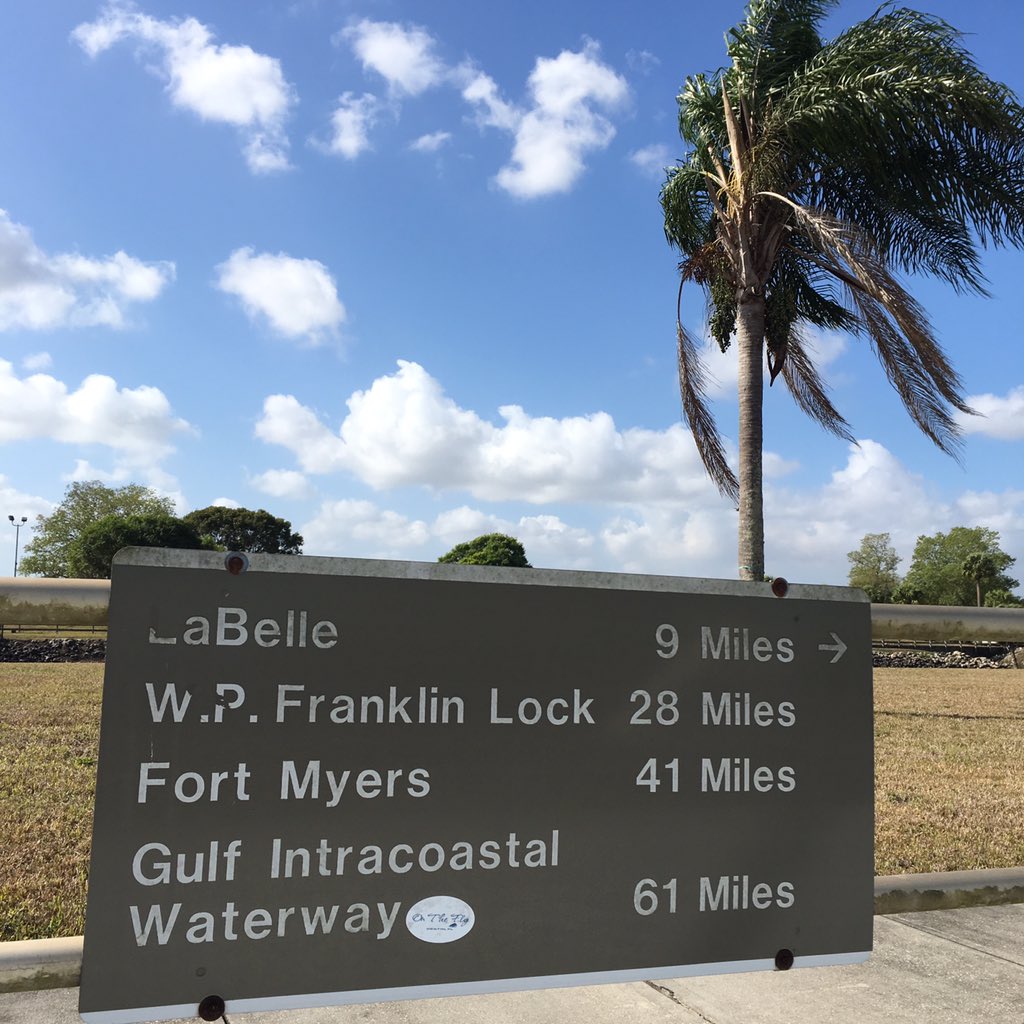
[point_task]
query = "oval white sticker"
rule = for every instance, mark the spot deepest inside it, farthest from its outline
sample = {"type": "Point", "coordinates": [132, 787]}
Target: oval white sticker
{"type": "Point", "coordinates": [440, 919]}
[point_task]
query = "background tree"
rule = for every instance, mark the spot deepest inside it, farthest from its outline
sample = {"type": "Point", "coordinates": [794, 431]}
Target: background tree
{"type": "Point", "coordinates": [979, 567]}
{"type": "Point", "coordinates": [873, 567]}
{"type": "Point", "coordinates": [83, 504]}
{"type": "Point", "coordinates": [907, 594]}
{"type": "Point", "coordinates": [90, 554]}
{"type": "Point", "coordinates": [1002, 599]}
{"type": "Point", "coordinates": [489, 549]}
{"type": "Point", "coordinates": [242, 529]}
{"type": "Point", "coordinates": [936, 569]}
{"type": "Point", "coordinates": [813, 172]}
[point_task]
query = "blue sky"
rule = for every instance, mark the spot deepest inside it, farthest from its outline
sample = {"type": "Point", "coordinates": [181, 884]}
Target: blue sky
{"type": "Point", "coordinates": [396, 272]}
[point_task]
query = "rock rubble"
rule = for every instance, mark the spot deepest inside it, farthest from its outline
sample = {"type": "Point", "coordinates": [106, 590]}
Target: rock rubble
{"type": "Point", "coordinates": [64, 649]}
{"type": "Point", "coordinates": [72, 649]}
{"type": "Point", "coordinates": [908, 658]}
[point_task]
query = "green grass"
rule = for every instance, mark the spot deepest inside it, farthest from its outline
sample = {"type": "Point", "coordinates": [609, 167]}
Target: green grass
{"type": "Point", "coordinates": [949, 789]}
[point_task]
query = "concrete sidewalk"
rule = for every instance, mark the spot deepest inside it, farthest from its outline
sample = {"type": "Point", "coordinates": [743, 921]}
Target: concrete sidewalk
{"type": "Point", "coordinates": [948, 966]}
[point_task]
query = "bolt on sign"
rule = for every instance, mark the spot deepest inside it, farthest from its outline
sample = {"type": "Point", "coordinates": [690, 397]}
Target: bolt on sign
{"type": "Point", "coordinates": [327, 781]}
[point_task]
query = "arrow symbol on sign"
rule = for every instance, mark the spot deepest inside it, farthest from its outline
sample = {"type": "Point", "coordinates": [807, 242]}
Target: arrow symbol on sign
{"type": "Point", "coordinates": [839, 647]}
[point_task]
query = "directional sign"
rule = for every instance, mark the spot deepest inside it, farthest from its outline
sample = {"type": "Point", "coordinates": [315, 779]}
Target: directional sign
{"type": "Point", "coordinates": [837, 645]}
{"type": "Point", "coordinates": [328, 781]}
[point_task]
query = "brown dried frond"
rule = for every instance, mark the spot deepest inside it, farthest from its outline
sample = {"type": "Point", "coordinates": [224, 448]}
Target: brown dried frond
{"type": "Point", "coordinates": [692, 388]}
{"type": "Point", "coordinates": [895, 323]}
{"type": "Point", "coordinates": [904, 369]}
{"type": "Point", "coordinates": [808, 389]}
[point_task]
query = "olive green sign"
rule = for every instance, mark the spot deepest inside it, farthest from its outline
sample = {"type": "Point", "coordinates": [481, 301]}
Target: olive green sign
{"type": "Point", "coordinates": [329, 781]}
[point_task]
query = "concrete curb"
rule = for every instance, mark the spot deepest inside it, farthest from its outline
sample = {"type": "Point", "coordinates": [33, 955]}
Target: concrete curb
{"type": "Point", "coordinates": [948, 890]}
{"type": "Point", "coordinates": [35, 964]}
{"type": "Point", "coordinates": [57, 963]}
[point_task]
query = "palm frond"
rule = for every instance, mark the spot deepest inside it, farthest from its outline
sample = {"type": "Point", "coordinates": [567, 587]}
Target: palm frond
{"type": "Point", "coordinates": [893, 127]}
{"type": "Point", "coordinates": [688, 208]}
{"type": "Point", "coordinates": [700, 115]}
{"type": "Point", "coordinates": [814, 293]}
{"type": "Point", "coordinates": [692, 390]}
{"type": "Point", "coordinates": [775, 38]}
{"type": "Point", "coordinates": [808, 389]}
{"type": "Point", "coordinates": [895, 323]}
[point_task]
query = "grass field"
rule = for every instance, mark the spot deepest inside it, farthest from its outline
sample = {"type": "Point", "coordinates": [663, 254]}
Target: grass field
{"type": "Point", "coordinates": [49, 731]}
{"type": "Point", "coordinates": [949, 792]}
{"type": "Point", "coordinates": [949, 770]}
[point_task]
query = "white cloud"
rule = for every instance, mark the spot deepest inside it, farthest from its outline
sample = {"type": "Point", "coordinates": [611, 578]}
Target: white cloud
{"type": "Point", "coordinates": [642, 60]}
{"type": "Point", "coordinates": [225, 503]}
{"type": "Point", "coordinates": [40, 292]}
{"type": "Point", "coordinates": [547, 538]}
{"type": "Point", "coordinates": [640, 499]}
{"type": "Point", "coordinates": [362, 529]}
{"type": "Point", "coordinates": [565, 118]}
{"type": "Point", "coordinates": [550, 541]}
{"type": "Point", "coordinates": [1000, 417]}
{"type": "Point", "coordinates": [18, 503]}
{"type": "Point", "coordinates": [132, 467]}
{"type": "Point", "coordinates": [643, 495]}
{"type": "Point", "coordinates": [492, 111]}
{"type": "Point", "coordinates": [37, 361]}
{"type": "Point", "coordinates": [1001, 511]}
{"type": "Point", "coordinates": [808, 531]}
{"type": "Point", "coordinates": [561, 126]}
{"type": "Point", "coordinates": [137, 425]}
{"type": "Point", "coordinates": [297, 296]}
{"type": "Point", "coordinates": [670, 542]}
{"type": "Point", "coordinates": [282, 483]}
{"type": "Point", "coordinates": [219, 82]}
{"type": "Point", "coordinates": [130, 420]}
{"type": "Point", "coordinates": [774, 466]}
{"type": "Point", "coordinates": [126, 276]}
{"type": "Point", "coordinates": [403, 430]}
{"type": "Point", "coordinates": [402, 54]}
{"type": "Point", "coordinates": [351, 122]}
{"type": "Point", "coordinates": [365, 529]}
{"type": "Point", "coordinates": [652, 160]}
{"type": "Point", "coordinates": [430, 143]}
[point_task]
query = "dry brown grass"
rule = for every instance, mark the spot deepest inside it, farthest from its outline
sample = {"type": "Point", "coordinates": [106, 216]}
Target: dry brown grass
{"type": "Point", "coordinates": [49, 731]}
{"type": "Point", "coordinates": [949, 789]}
{"type": "Point", "coordinates": [949, 770]}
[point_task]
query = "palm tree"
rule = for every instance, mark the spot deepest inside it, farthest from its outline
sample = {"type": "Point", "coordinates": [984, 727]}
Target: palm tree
{"type": "Point", "coordinates": [814, 173]}
{"type": "Point", "coordinates": [979, 566]}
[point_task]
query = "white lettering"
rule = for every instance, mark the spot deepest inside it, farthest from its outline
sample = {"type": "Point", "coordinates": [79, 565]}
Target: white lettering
{"type": "Point", "coordinates": [237, 626]}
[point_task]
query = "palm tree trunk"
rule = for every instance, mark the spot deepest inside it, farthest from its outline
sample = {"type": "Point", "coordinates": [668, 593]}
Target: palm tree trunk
{"type": "Point", "coordinates": [750, 344]}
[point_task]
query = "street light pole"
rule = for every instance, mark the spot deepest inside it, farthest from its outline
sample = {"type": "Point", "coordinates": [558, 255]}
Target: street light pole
{"type": "Point", "coordinates": [17, 536]}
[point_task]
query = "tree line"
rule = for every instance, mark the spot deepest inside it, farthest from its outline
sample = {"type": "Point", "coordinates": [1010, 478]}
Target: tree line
{"type": "Point", "coordinates": [79, 539]}
{"type": "Point", "coordinates": [963, 567]}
